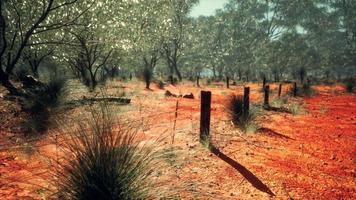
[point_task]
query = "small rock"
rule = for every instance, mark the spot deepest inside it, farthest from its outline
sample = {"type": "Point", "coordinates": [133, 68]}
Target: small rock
{"type": "Point", "coordinates": [195, 170]}
{"type": "Point", "coordinates": [333, 157]}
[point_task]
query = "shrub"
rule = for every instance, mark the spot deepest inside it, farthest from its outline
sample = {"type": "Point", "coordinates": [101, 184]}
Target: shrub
{"type": "Point", "coordinates": [307, 90]}
{"type": "Point", "coordinates": [238, 118]}
{"type": "Point", "coordinates": [104, 161]}
{"type": "Point", "coordinates": [41, 103]}
{"type": "Point", "coordinates": [350, 84]}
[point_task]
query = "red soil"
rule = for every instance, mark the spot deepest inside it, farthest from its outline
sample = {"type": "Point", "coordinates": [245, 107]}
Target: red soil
{"type": "Point", "coordinates": [309, 156]}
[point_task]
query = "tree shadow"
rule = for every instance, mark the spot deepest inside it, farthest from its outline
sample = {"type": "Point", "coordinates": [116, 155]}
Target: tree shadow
{"type": "Point", "coordinates": [273, 133]}
{"type": "Point", "coordinates": [248, 175]}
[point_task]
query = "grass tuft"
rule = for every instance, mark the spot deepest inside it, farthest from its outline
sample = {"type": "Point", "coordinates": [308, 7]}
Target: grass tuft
{"type": "Point", "coordinates": [104, 161]}
{"type": "Point", "coordinates": [297, 109]}
{"type": "Point", "coordinates": [245, 122]}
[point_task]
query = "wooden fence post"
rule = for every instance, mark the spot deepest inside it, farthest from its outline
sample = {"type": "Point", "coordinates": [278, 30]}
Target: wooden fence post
{"type": "Point", "coordinates": [227, 82]}
{"type": "Point", "coordinates": [295, 89]}
{"type": "Point", "coordinates": [175, 121]}
{"type": "Point", "coordinates": [246, 104]}
{"type": "Point", "coordinates": [280, 90]}
{"type": "Point", "coordinates": [205, 109]}
{"type": "Point", "coordinates": [266, 101]}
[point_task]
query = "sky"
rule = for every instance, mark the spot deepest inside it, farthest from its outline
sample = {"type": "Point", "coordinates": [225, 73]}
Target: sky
{"type": "Point", "coordinates": [207, 7]}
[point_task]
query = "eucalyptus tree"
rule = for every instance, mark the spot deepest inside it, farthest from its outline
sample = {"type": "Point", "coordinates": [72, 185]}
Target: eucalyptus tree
{"type": "Point", "coordinates": [151, 25]}
{"type": "Point", "coordinates": [34, 57]}
{"type": "Point", "coordinates": [244, 27]}
{"type": "Point", "coordinates": [20, 21]}
{"type": "Point", "coordinates": [173, 44]}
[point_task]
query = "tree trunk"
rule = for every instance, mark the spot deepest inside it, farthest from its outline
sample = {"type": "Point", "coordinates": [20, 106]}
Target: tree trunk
{"type": "Point", "coordinates": [5, 81]}
{"type": "Point", "coordinates": [177, 71]}
{"type": "Point", "coordinates": [214, 72]}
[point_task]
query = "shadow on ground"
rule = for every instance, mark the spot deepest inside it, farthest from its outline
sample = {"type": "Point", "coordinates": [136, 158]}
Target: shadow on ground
{"type": "Point", "coordinates": [247, 174]}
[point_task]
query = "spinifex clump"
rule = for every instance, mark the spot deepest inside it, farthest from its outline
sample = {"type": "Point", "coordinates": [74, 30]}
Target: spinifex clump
{"type": "Point", "coordinates": [241, 119]}
{"type": "Point", "coordinates": [104, 161]}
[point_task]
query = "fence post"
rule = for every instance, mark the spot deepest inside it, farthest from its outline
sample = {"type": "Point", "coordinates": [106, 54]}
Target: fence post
{"type": "Point", "coordinates": [295, 89]}
{"type": "Point", "coordinates": [205, 109]}
{"type": "Point", "coordinates": [266, 101]}
{"type": "Point", "coordinates": [280, 90]}
{"type": "Point", "coordinates": [246, 104]}
{"type": "Point", "coordinates": [175, 121]}
{"type": "Point", "coordinates": [227, 82]}
{"type": "Point", "coordinates": [198, 85]}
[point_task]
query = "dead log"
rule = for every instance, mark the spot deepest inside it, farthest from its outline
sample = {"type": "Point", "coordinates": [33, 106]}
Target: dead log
{"type": "Point", "coordinates": [169, 94]}
{"type": "Point", "coordinates": [90, 100]}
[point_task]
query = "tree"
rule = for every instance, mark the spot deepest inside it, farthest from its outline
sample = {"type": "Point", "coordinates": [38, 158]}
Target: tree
{"type": "Point", "coordinates": [90, 58]}
{"type": "Point", "coordinates": [22, 20]}
{"type": "Point", "coordinates": [173, 44]}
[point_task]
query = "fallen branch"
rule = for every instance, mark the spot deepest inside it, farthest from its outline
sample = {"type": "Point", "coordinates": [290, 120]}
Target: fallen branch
{"type": "Point", "coordinates": [90, 100]}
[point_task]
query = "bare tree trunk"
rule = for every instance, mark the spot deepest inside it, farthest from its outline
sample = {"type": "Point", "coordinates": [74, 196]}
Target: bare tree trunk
{"type": "Point", "coordinates": [177, 71]}
{"type": "Point", "coordinates": [5, 81]}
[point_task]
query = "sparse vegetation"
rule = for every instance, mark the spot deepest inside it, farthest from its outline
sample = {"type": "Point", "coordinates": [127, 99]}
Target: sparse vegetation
{"type": "Point", "coordinates": [105, 162]}
{"type": "Point", "coordinates": [296, 109]}
{"type": "Point", "coordinates": [306, 47]}
{"type": "Point", "coordinates": [350, 85]}
{"type": "Point", "coordinates": [245, 122]}
{"type": "Point", "coordinates": [280, 102]}
{"type": "Point", "coordinates": [41, 103]}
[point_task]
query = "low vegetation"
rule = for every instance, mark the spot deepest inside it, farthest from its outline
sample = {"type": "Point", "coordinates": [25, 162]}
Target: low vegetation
{"type": "Point", "coordinates": [239, 118]}
{"type": "Point", "coordinates": [41, 102]}
{"type": "Point", "coordinates": [105, 161]}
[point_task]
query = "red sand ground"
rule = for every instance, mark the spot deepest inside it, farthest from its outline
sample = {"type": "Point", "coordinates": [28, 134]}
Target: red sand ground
{"type": "Point", "coordinates": [309, 156]}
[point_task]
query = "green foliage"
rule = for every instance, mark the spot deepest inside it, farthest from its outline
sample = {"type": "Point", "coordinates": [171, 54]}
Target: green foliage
{"type": "Point", "coordinates": [105, 161]}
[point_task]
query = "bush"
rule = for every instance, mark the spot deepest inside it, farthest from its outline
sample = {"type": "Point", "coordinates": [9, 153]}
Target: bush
{"type": "Point", "coordinates": [307, 90]}
{"type": "Point", "coordinates": [350, 84]}
{"type": "Point", "coordinates": [245, 122]}
{"type": "Point", "coordinates": [41, 102]}
{"type": "Point", "coordinates": [104, 161]}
